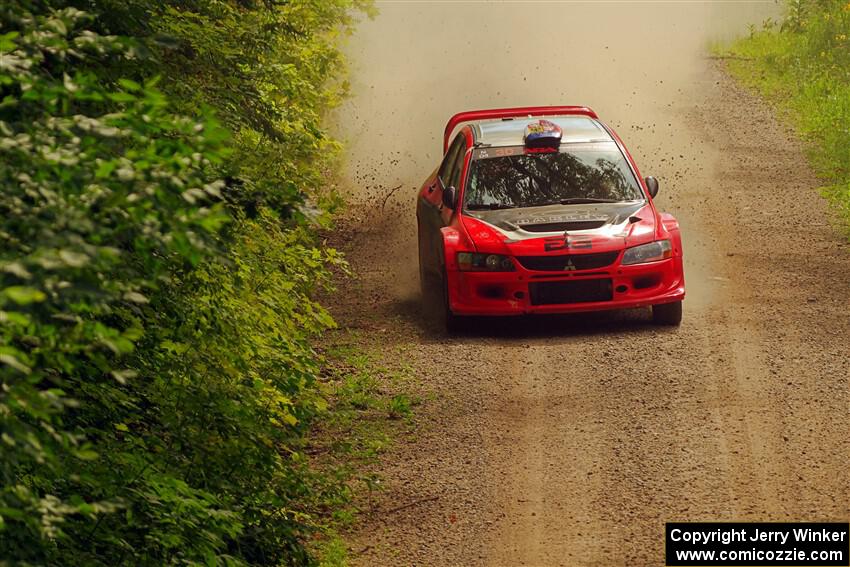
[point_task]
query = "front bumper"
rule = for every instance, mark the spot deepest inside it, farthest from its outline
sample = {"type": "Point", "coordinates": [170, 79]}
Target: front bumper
{"type": "Point", "coordinates": [510, 293]}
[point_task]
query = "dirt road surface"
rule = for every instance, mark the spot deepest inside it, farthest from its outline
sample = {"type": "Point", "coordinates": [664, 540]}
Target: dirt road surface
{"type": "Point", "coordinates": [570, 441]}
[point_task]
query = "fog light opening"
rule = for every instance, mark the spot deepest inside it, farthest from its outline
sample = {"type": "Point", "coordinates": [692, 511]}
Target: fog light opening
{"type": "Point", "coordinates": [491, 291]}
{"type": "Point", "coordinates": [645, 282]}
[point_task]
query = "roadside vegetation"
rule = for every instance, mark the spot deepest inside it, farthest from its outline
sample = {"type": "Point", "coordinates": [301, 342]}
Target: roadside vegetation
{"type": "Point", "coordinates": [802, 64]}
{"type": "Point", "coordinates": [164, 172]}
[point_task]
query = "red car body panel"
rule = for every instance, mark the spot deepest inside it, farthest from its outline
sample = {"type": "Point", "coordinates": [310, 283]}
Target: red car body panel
{"type": "Point", "coordinates": [509, 292]}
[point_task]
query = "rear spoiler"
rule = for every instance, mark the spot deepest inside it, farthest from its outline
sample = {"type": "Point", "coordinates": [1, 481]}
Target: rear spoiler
{"type": "Point", "coordinates": [473, 115]}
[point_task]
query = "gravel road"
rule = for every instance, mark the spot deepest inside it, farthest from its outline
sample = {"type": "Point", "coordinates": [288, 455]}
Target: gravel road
{"type": "Point", "coordinates": [571, 440]}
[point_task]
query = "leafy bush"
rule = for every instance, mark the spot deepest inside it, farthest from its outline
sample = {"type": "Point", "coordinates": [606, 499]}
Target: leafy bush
{"type": "Point", "coordinates": [804, 66]}
{"type": "Point", "coordinates": [157, 279]}
{"type": "Point", "coordinates": [270, 68]}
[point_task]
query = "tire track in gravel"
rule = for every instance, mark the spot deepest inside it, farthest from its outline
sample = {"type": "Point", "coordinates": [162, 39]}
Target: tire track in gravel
{"type": "Point", "coordinates": [531, 502]}
{"type": "Point", "coordinates": [570, 441]}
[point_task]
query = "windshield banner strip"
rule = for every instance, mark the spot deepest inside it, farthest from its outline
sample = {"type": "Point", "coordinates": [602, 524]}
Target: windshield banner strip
{"type": "Point", "coordinates": [507, 151]}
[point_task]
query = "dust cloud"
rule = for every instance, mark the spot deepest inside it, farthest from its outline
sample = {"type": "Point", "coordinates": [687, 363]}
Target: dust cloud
{"type": "Point", "coordinates": [638, 64]}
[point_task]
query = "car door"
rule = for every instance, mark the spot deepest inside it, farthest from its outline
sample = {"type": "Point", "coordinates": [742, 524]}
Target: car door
{"type": "Point", "coordinates": [432, 214]}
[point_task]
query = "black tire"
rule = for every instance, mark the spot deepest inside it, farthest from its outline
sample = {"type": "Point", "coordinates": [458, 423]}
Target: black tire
{"type": "Point", "coordinates": [423, 271]}
{"type": "Point", "coordinates": [668, 314]}
{"type": "Point", "coordinates": [452, 323]}
{"type": "Point", "coordinates": [423, 278]}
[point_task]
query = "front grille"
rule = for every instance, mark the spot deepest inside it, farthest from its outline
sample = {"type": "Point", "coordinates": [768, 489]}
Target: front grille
{"type": "Point", "coordinates": [575, 291]}
{"type": "Point", "coordinates": [568, 262]}
{"type": "Point", "coordinates": [562, 226]}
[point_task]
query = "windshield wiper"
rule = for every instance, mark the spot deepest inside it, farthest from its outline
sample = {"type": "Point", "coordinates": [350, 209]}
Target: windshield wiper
{"type": "Point", "coordinates": [584, 200]}
{"type": "Point", "coordinates": [574, 201]}
{"type": "Point", "coordinates": [489, 206]}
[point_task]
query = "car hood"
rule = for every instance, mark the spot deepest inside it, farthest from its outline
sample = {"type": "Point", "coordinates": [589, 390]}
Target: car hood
{"type": "Point", "coordinates": [597, 227]}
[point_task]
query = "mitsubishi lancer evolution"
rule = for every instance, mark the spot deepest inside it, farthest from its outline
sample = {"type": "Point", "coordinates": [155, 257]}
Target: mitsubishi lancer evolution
{"type": "Point", "coordinates": [542, 210]}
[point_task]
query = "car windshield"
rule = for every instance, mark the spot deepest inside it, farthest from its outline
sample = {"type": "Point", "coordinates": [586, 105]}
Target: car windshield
{"type": "Point", "coordinates": [509, 177]}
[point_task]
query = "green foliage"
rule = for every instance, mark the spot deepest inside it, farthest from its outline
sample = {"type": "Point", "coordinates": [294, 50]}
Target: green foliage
{"type": "Point", "coordinates": [268, 67]}
{"type": "Point", "coordinates": [333, 554]}
{"type": "Point", "coordinates": [805, 67]}
{"type": "Point", "coordinates": [400, 406]}
{"type": "Point", "coordinates": [365, 396]}
{"type": "Point", "coordinates": [795, 17]}
{"type": "Point", "coordinates": [157, 279]}
{"type": "Point", "coordinates": [101, 203]}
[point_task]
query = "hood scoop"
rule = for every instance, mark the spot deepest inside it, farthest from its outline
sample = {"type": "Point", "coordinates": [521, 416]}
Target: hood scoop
{"type": "Point", "coordinates": [563, 226]}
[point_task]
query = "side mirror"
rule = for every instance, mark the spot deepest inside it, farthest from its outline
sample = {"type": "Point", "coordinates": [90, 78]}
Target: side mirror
{"type": "Point", "coordinates": [450, 197]}
{"type": "Point", "coordinates": [652, 185]}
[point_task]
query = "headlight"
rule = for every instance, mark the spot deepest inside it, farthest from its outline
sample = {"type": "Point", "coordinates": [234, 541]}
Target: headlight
{"type": "Point", "coordinates": [472, 262]}
{"type": "Point", "coordinates": [652, 252]}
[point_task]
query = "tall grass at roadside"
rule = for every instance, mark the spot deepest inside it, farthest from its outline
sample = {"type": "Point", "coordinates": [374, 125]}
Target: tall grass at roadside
{"type": "Point", "coordinates": [802, 64]}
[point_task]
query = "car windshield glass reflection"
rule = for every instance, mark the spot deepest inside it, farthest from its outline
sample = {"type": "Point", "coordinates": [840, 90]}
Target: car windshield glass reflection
{"type": "Point", "coordinates": [578, 173]}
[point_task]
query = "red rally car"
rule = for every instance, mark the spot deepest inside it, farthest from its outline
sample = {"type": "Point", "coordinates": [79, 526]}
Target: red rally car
{"type": "Point", "coordinates": [543, 210]}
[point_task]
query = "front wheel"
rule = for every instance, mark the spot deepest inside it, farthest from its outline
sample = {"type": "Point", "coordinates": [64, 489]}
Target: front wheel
{"type": "Point", "coordinates": [452, 323]}
{"type": "Point", "coordinates": [423, 271]}
{"type": "Point", "coordinates": [669, 314]}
